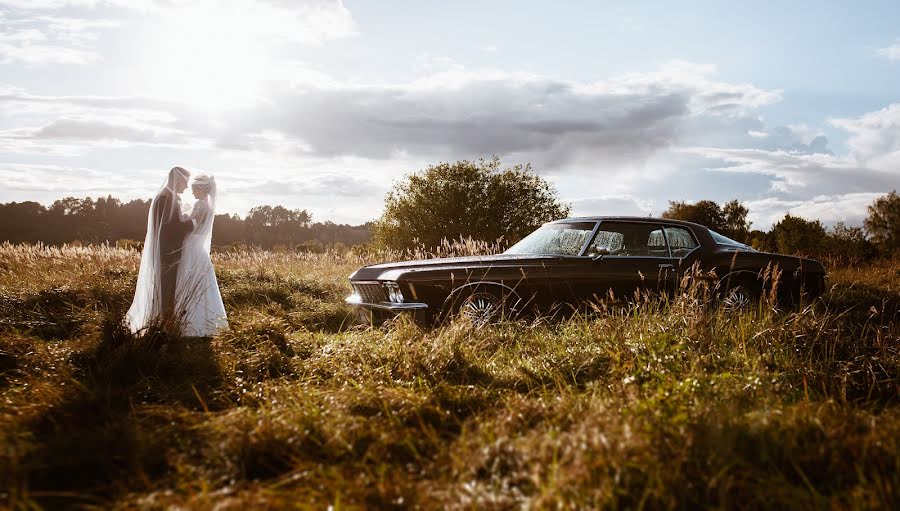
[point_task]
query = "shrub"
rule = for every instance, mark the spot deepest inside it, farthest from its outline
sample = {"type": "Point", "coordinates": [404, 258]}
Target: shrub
{"type": "Point", "coordinates": [883, 222]}
{"type": "Point", "coordinates": [848, 245]}
{"type": "Point", "coordinates": [795, 235]}
{"type": "Point", "coordinates": [466, 199]}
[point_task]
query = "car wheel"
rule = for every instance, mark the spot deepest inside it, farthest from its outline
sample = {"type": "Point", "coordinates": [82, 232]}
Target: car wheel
{"type": "Point", "coordinates": [738, 297]}
{"type": "Point", "coordinates": [481, 308]}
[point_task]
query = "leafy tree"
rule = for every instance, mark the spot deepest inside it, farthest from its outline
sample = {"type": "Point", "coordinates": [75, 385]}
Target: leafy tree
{"type": "Point", "coordinates": [848, 244]}
{"type": "Point", "coordinates": [730, 220]}
{"type": "Point", "coordinates": [736, 225]}
{"type": "Point", "coordinates": [705, 212]}
{"type": "Point", "coordinates": [19, 221]}
{"type": "Point", "coordinates": [883, 222]}
{"type": "Point", "coordinates": [762, 241]}
{"type": "Point", "coordinates": [275, 224]}
{"type": "Point", "coordinates": [466, 199]}
{"type": "Point", "coordinates": [795, 235]}
{"type": "Point", "coordinates": [110, 220]}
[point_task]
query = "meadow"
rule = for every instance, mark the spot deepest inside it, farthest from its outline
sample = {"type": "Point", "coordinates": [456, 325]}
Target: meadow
{"type": "Point", "coordinates": [663, 405]}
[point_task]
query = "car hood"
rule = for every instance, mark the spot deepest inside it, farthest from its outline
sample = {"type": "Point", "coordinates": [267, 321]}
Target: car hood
{"type": "Point", "coordinates": [391, 271]}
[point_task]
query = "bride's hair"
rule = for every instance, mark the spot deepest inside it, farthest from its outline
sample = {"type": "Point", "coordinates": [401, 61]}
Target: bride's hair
{"type": "Point", "coordinates": [203, 183]}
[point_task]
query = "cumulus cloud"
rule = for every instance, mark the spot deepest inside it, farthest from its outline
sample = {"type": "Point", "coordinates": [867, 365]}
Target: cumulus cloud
{"type": "Point", "coordinates": [811, 169]}
{"type": "Point", "coordinates": [465, 113]}
{"type": "Point", "coordinates": [798, 173]}
{"type": "Point", "coordinates": [875, 137]}
{"type": "Point", "coordinates": [840, 186]}
{"type": "Point", "coordinates": [849, 208]}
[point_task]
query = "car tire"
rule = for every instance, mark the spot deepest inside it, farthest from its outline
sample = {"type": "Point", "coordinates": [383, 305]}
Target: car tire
{"type": "Point", "coordinates": [481, 306]}
{"type": "Point", "coordinates": [739, 296]}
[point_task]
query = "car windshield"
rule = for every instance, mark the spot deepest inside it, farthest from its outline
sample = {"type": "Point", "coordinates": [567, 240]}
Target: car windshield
{"type": "Point", "coordinates": [555, 239]}
{"type": "Point", "coordinates": [722, 240]}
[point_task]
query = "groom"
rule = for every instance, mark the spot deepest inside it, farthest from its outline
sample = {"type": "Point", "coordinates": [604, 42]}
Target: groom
{"type": "Point", "coordinates": [172, 230]}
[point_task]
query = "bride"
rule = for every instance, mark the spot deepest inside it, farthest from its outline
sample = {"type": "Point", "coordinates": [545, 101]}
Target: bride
{"type": "Point", "coordinates": [176, 281]}
{"type": "Point", "coordinates": [198, 300]}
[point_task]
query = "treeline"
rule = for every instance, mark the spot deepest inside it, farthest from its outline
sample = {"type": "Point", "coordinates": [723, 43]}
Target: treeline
{"type": "Point", "coordinates": [879, 235]}
{"type": "Point", "coordinates": [487, 203]}
{"type": "Point", "coordinates": [478, 201]}
{"type": "Point", "coordinates": [109, 220]}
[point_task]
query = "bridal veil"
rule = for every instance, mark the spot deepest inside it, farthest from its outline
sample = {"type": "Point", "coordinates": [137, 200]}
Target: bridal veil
{"type": "Point", "coordinates": [147, 305]}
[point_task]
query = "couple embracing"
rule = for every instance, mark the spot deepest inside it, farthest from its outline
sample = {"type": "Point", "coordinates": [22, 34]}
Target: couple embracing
{"type": "Point", "coordinates": [177, 281]}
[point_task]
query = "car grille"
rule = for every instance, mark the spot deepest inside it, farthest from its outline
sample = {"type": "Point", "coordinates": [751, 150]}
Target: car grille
{"type": "Point", "coordinates": [371, 292]}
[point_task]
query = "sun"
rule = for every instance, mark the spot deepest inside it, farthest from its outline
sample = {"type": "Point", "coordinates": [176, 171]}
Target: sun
{"type": "Point", "coordinates": [207, 55]}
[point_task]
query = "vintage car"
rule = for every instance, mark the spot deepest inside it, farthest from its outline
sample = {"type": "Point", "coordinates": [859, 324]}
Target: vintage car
{"type": "Point", "coordinates": [571, 262]}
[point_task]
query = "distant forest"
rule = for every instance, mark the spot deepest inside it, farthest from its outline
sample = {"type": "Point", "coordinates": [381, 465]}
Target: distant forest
{"type": "Point", "coordinates": [109, 220]}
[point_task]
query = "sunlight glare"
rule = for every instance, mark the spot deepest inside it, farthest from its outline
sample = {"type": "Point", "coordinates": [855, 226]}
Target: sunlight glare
{"type": "Point", "coordinates": [209, 55]}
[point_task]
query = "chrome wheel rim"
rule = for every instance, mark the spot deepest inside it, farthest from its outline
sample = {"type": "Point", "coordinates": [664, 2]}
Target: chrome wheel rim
{"type": "Point", "coordinates": [480, 309]}
{"type": "Point", "coordinates": [737, 298]}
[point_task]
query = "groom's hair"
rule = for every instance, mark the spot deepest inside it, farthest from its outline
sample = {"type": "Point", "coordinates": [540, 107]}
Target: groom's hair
{"type": "Point", "coordinates": [178, 171]}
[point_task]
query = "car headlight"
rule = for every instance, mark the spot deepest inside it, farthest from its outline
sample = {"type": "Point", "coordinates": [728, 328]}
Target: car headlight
{"type": "Point", "coordinates": [393, 291]}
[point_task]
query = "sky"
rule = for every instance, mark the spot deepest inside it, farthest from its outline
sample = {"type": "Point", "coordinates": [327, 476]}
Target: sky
{"type": "Point", "coordinates": [789, 107]}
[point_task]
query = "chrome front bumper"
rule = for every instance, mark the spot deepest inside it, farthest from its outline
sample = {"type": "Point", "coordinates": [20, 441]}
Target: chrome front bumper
{"type": "Point", "coordinates": [385, 306]}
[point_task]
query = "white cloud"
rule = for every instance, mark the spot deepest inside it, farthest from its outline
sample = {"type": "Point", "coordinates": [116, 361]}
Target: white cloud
{"type": "Point", "coordinates": [798, 173]}
{"type": "Point", "coordinates": [74, 125]}
{"type": "Point", "coordinates": [849, 208]}
{"type": "Point", "coordinates": [875, 137]}
{"type": "Point", "coordinates": [17, 102]}
{"type": "Point", "coordinates": [624, 204]}
{"type": "Point", "coordinates": [47, 4]}
{"type": "Point", "coordinates": [56, 181]}
{"type": "Point", "coordinates": [891, 52]}
{"type": "Point", "coordinates": [306, 21]}
{"type": "Point", "coordinates": [464, 113]}
{"type": "Point", "coordinates": [39, 40]}
{"type": "Point", "coordinates": [808, 180]}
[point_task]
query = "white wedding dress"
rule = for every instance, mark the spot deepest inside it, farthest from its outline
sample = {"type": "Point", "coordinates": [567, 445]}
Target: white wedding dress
{"type": "Point", "coordinates": [198, 299]}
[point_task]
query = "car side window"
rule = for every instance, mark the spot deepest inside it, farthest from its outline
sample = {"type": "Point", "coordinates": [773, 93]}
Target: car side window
{"type": "Point", "coordinates": [609, 241]}
{"type": "Point", "coordinates": [681, 241]}
{"type": "Point", "coordinates": [629, 239]}
{"type": "Point", "coordinates": [656, 244]}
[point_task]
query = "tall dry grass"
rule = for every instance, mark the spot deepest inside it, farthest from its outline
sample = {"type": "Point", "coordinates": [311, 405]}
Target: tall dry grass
{"type": "Point", "coordinates": [660, 405]}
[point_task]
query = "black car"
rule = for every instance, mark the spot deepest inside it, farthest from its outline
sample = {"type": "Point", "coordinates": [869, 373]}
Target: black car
{"type": "Point", "coordinates": [574, 261]}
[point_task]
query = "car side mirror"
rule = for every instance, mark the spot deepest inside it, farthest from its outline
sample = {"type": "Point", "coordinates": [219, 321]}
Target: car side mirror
{"type": "Point", "coordinates": [598, 254]}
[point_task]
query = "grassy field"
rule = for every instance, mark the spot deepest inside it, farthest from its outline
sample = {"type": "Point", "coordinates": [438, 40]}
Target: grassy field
{"type": "Point", "coordinates": [671, 405]}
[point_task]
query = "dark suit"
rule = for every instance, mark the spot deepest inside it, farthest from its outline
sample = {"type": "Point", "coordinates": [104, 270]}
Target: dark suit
{"type": "Point", "coordinates": [171, 239]}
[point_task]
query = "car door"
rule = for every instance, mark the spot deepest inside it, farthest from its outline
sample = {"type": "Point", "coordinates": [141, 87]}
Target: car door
{"type": "Point", "coordinates": [628, 258]}
{"type": "Point", "coordinates": [684, 248]}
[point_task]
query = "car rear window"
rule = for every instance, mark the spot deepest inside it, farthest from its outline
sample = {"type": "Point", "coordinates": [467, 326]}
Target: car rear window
{"type": "Point", "coordinates": [724, 240]}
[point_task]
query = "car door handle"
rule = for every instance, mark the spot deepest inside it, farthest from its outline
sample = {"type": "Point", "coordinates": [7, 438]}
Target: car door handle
{"type": "Point", "coordinates": [667, 266]}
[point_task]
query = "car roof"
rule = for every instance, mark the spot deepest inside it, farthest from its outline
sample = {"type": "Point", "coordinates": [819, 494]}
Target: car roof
{"type": "Point", "coordinates": [627, 219]}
